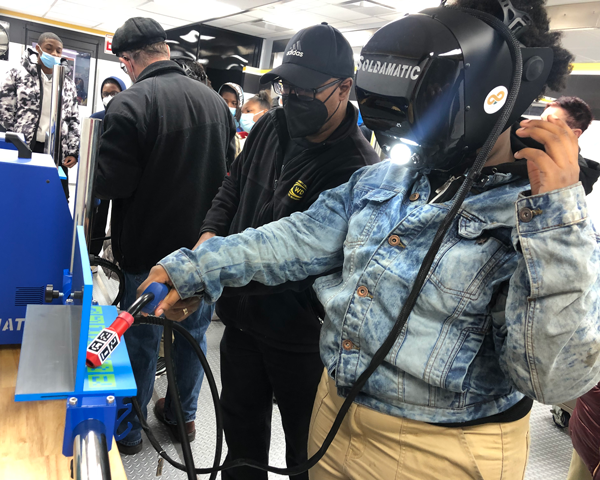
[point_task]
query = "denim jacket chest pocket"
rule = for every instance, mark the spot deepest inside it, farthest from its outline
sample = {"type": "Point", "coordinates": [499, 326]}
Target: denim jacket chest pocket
{"type": "Point", "coordinates": [367, 209]}
{"type": "Point", "coordinates": [461, 285]}
{"type": "Point", "coordinates": [471, 252]}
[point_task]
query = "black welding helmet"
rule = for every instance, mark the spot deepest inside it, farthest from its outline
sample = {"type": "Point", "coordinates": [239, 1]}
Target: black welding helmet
{"type": "Point", "coordinates": [431, 85]}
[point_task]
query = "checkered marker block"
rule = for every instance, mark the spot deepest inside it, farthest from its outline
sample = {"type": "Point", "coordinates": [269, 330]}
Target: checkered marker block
{"type": "Point", "coordinates": [101, 348]}
{"type": "Point", "coordinates": [107, 340]}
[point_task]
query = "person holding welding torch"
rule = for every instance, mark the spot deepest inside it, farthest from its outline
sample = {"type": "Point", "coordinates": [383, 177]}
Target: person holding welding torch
{"type": "Point", "coordinates": [480, 260]}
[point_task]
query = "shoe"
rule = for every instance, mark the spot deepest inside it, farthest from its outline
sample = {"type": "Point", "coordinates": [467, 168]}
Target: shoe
{"type": "Point", "coordinates": [130, 449]}
{"type": "Point", "coordinates": [161, 367]}
{"type": "Point", "coordinates": [190, 427]}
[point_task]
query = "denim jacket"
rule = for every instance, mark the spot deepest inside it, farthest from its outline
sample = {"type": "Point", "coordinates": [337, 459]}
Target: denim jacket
{"type": "Point", "coordinates": [510, 306]}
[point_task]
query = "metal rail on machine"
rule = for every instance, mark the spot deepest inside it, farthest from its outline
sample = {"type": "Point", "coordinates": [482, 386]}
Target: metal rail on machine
{"type": "Point", "coordinates": [54, 140]}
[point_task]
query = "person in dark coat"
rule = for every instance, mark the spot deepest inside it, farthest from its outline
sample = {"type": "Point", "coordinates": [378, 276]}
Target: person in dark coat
{"type": "Point", "coordinates": [270, 347]}
{"type": "Point", "coordinates": [162, 158]}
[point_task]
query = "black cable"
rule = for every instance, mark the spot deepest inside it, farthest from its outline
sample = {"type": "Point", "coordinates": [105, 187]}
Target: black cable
{"type": "Point", "coordinates": [423, 273]}
{"type": "Point", "coordinates": [101, 239]}
{"type": "Point", "coordinates": [176, 401]}
{"type": "Point", "coordinates": [102, 262]}
{"type": "Point", "coordinates": [152, 320]}
{"type": "Point", "coordinates": [140, 302]}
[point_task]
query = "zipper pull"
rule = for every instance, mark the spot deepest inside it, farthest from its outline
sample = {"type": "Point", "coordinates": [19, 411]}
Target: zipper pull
{"type": "Point", "coordinates": [159, 467]}
{"type": "Point", "coordinates": [440, 191]}
{"type": "Point", "coordinates": [445, 186]}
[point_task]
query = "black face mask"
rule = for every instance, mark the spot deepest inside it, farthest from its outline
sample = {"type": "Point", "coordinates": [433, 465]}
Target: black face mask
{"type": "Point", "coordinates": [306, 118]}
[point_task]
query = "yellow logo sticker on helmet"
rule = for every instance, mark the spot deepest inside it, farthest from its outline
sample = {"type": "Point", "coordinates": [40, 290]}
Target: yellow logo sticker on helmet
{"type": "Point", "coordinates": [495, 100]}
{"type": "Point", "coordinates": [297, 191]}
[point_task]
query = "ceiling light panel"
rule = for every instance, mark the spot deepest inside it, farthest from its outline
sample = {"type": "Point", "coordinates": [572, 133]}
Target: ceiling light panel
{"type": "Point", "coordinates": [297, 21]}
{"type": "Point", "coordinates": [32, 7]}
{"type": "Point", "coordinates": [367, 8]}
{"type": "Point", "coordinates": [358, 38]}
{"type": "Point", "coordinates": [118, 5]}
{"type": "Point", "coordinates": [333, 11]}
{"type": "Point", "coordinates": [191, 11]}
{"type": "Point", "coordinates": [80, 14]}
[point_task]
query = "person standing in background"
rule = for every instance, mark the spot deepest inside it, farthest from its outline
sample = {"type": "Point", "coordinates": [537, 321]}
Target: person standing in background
{"type": "Point", "coordinates": [25, 101]}
{"type": "Point", "coordinates": [233, 95]}
{"type": "Point", "coordinates": [255, 108]}
{"type": "Point", "coordinates": [573, 111]}
{"type": "Point", "coordinates": [111, 86]}
{"type": "Point", "coordinates": [161, 160]}
{"type": "Point", "coordinates": [270, 347]}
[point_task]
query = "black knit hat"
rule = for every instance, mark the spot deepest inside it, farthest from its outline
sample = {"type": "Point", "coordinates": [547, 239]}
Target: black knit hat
{"type": "Point", "coordinates": [136, 33]}
{"type": "Point", "coordinates": [313, 56]}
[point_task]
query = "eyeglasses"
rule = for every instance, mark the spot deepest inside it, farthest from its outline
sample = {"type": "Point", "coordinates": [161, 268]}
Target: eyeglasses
{"type": "Point", "coordinates": [124, 68]}
{"type": "Point", "coordinates": [304, 94]}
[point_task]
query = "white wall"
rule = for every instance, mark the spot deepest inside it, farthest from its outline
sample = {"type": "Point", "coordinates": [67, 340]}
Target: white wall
{"type": "Point", "coordinates": [590, 149]}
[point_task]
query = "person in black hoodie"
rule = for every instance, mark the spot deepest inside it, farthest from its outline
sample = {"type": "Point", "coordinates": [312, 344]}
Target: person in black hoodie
{"type": "Point", "coordinates": [162, 157]}
{"type": "Point", "coordinates": [270, 346]}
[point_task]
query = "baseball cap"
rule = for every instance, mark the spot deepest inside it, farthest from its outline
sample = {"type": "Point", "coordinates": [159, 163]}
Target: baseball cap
{"type": "Point", "coordinates": [313, 56]}
{"type": "Point", "coordinates": [137, 32]}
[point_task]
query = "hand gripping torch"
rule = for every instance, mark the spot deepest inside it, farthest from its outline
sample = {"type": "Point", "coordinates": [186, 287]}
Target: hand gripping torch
{"type": "Point", "coordinates": [109, 338]}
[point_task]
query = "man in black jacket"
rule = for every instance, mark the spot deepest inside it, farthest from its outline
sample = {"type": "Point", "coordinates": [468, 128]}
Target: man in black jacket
{"type": "Point", "coordinates": [271, 342]}
{"type": "Point", "coordinates": [162, 158]}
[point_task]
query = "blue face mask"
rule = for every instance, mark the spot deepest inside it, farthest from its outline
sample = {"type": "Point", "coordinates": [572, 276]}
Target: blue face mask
{"type": "Point", "coordinates": [48, 60]}
{"type": "Point", "coordinates": [247, 120]}
{"type": "Point", "coordinates": [233, 111]}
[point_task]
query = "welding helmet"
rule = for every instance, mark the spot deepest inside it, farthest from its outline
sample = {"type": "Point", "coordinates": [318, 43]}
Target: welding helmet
{"type": "Point", "coordinates": [432, 85]}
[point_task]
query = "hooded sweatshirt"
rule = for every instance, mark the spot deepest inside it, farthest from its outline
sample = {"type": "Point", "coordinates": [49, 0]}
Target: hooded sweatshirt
{"type": "Point", "coordinates": [101, 113]}
{"type": "Point", "coordinates": [239, 92]}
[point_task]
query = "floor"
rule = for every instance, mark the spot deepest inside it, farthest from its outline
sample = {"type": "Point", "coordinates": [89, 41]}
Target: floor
{"type": "Point", "coordinates": [549, 455]}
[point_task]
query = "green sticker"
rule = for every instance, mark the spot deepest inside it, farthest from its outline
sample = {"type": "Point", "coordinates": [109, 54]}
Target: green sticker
{"type": "Point", "coordinates": [106, 367]}
{"type": "Point", "coordinates": [102, 381]}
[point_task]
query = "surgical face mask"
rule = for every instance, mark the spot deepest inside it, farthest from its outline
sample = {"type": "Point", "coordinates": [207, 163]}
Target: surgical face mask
{"type": "Point", "coordinates": [106, 100]}
{"type": "Point", "coordinates": [233, 111]}
{"type": "Point", "coordinates": [306, 118]}
{"type": "Point", "coordinates": [247, 120]}
{"type": "Point", "coordinates": [49, 60]}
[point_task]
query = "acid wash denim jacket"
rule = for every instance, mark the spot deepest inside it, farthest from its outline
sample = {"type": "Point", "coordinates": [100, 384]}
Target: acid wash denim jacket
{"type": "Point", "coordinates": [510, 307]}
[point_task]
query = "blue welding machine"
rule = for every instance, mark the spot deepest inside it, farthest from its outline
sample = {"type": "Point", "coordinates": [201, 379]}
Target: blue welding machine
{"type": "Point", "coordinates": [36, 238]}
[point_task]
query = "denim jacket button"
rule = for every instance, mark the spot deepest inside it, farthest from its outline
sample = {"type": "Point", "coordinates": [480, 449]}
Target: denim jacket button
{"type": "Point", "coordinates": [347, 345]}
{"type": "Point", "coordinates": [362, 291]}
{"type": "Point", "coordinates": [526, 215]}
{"type": "Point", "coordinates": [414, 197]}
{"type": "Point", "coordinates": [394, 241]}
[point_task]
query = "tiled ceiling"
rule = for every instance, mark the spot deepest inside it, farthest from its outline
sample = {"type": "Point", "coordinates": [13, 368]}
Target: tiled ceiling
{"type": "Point", "coordinates": [271, 19]}
{"type": "Point", "coordinates": [265, 18]}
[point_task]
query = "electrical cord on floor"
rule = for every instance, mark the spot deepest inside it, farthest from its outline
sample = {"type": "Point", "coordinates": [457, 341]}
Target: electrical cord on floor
{"type": "Point", "coordinates": [176, 401]}
{"type": "Point", "coordinates": [174, 393]}
{"type": "Point", "coordinates": [102, 262]}
{"type": "Point", "coordinates": [398, 327]}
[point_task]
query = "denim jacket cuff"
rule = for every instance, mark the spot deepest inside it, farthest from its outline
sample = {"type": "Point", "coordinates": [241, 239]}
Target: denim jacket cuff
{"type": "Point", "coordinates": [183, 273]}
{"type": "Point", "coordinates": [555, 209]}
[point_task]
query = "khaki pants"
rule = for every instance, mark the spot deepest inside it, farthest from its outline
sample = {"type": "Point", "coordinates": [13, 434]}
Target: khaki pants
{"type": "Point", "coordinates": [372, 445]}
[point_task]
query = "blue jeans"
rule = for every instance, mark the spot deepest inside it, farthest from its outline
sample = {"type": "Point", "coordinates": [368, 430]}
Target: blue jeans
{"type": "Point", "coordinates": [143, 343]}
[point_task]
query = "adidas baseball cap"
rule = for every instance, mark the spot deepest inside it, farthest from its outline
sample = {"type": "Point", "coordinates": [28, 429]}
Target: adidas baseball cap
{"type": "Point", "coordinates": [313, 56]}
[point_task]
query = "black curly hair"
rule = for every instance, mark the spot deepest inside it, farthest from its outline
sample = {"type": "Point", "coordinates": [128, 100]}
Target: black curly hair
{"type": "Point", "coordinates": [538, 35]}
{"type": "Point", "coordinates": [579, 113]}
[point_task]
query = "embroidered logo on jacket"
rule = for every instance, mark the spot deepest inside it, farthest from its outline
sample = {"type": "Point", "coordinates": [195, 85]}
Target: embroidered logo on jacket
{"type": "Point", "coordinates": [297, 191]}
